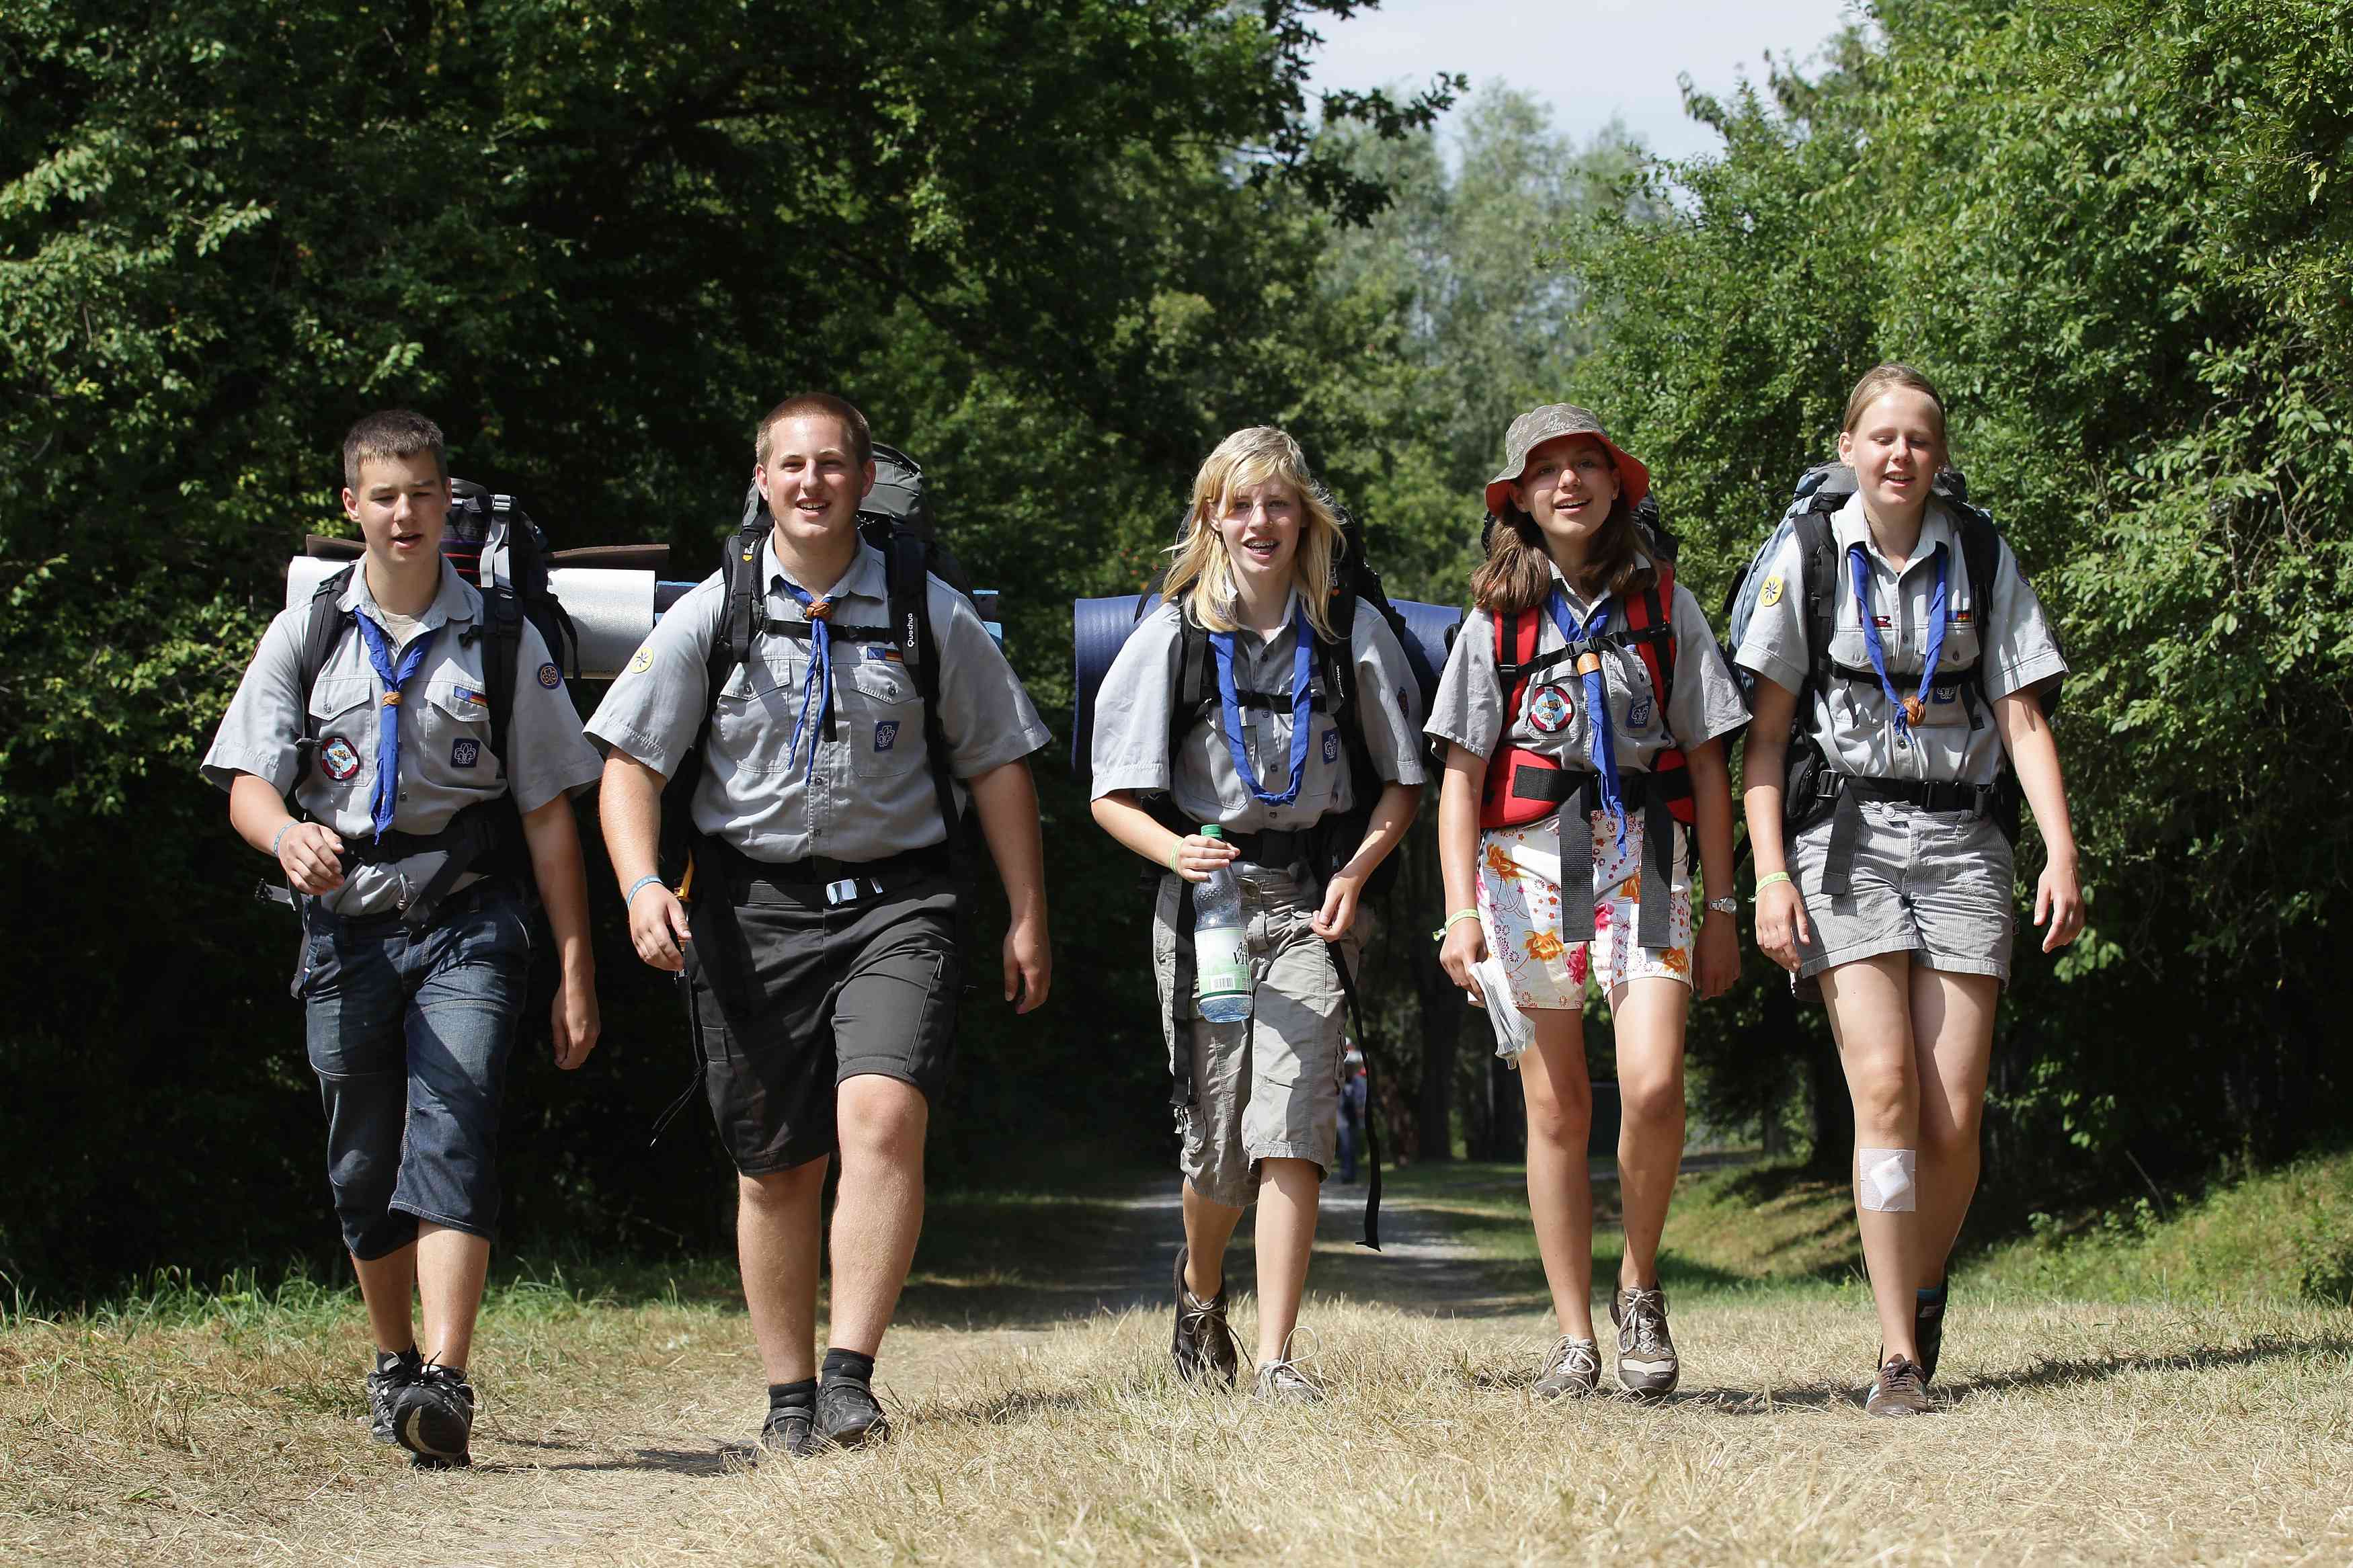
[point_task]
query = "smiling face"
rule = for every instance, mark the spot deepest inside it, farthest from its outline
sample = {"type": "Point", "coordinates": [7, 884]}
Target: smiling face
{"type": "Point", "coordinates": [811, 479]}
{"type": "Point", "coordinates": [1260, 524]}
{"type": "Point", "coordinates": [401, 505]}
{"type": "Point", "coordinates": [1895, 445]}
{"type": "Point", "coordinates": [1568, 487]}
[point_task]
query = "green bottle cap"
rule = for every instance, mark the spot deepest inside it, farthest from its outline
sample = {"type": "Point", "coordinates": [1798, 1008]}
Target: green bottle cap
{"type": "Point", "coordinates": [1211, 830]}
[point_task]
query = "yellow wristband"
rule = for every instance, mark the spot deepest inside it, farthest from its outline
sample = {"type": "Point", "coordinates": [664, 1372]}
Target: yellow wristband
{"type": "Point", "coordinates": [1457, 917]}
{"type": "Point", "coordinates": [1770, 878]}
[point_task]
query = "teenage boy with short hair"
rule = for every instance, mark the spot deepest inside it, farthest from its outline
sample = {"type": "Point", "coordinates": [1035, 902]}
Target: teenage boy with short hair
{"type": "Point", "coordinates": [823, 921]}
{"type": "Point", "coordinates": [410, 1011]}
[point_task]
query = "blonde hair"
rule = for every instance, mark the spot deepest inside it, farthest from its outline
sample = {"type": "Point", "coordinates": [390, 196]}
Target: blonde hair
{"type": "Point", "coordinates": [1881, 379]}
{"type": "Point", "coordinates": [1201, 575]}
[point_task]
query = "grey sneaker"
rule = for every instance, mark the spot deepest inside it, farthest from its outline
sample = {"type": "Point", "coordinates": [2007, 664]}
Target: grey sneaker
{"type": "Point", "coordinates": [1897, 1390]}
{"type": "Point", "coordinates": [433, 1419]}
{"type": "Point", "coordinates": [1573, 1370]}
{"type": "Point", "coordinates": [1204, 1345]}
{"type": "Point", "coordinates": [1282, 1383]}
{"type": "Point", "coordinates": [392, 1374]}
{"type": "Point", "coordinates": [1646, 1353]}
{"type": "Point", "coordinates": [848, 1416]}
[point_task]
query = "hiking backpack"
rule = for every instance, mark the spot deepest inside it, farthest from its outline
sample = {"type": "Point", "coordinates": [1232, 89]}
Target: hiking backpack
{"type": "Point", "coordinates": [1821, 491]}
{"type": "Point", "coordinates": [894, 518]}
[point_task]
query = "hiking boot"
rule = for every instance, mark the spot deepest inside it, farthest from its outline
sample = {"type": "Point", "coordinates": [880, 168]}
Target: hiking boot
{"type": "Point", "coordinates": [1646, 1353]}
{"type": "Point", "coordinates": [1897, 1390]}
{"type": "Point", "coordinates": [1929, 1331]}
{"type": "Point", "coordinates": [1204, 1343]}
{"type": "Point", "coordinates": [1282, 1383]}
{"type": "Point", "coordinates": [848, 1416]}
{"type": "Point", "coordinates": [392, 1374]}
{"type": "Point", "coordinates": [790, 1431]}
{"type": "Point", "coordinates": [1572, 1370]}
{"type": "Point", "coordinates": [433, 1417]}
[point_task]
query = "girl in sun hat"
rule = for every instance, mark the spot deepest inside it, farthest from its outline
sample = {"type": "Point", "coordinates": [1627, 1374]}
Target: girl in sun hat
{"type": "Point", "coordinates": [1581, 710]}
{"type": "Point", "coordinates": [1903, 696]}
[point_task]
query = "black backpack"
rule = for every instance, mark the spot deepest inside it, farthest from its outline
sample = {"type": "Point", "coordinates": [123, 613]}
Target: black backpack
{"type": "Point", "coordinates": [895, 519]}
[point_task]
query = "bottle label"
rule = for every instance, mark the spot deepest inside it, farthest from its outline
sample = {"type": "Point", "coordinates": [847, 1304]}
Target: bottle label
{"type": "Point", "coordinates": [1221, 962]}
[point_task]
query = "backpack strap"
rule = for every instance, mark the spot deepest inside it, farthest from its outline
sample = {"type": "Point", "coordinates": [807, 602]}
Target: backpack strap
{"type": "Point", "coordinates": [321, 632]}
{"type": "Point", "coordinates": [1818, 569]}
{"type": "Point", "coordinates": [502, 626]}
{"type": "Point", "coordinates": [908, 594]}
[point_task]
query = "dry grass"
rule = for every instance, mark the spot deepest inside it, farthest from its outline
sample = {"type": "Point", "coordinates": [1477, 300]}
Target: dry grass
{"type": "Point", "coordinates": [2072, 1432]}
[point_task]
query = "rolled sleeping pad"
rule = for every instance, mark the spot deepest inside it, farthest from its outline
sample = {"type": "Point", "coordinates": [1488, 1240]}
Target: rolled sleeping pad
{"type": "Point", "coordinates": [1099, 627]}
{"type": "Point", "coordinates": [612, 610]}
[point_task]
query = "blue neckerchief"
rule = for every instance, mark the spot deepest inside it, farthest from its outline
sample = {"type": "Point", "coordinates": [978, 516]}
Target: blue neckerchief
{"type": "Point", "coordinates": [386, 795]}
{"type": "Point", "coordinates": [1597, 707]}
{"type": "Point", "coordinates": [1858, 567]}
{"type": "Point", "coordinates": [1303, 707]}
{"type": "Point", "coordinates": [817, 692]}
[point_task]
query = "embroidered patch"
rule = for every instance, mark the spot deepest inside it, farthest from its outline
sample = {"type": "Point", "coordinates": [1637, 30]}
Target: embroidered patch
{"type": "Point", "coordinates": [643, 662]}
{"type": "Point", "coordinates": [1771, 593]}
{"type": "Point", "coordinates": [1551, 710]}
{"type": "Point", "coordinates": [1960, 617]}
{"type": "Point", "coordinates": [1639, 714]}
{"type": "Point", "coordinates": [471, 698]}
{"type": "Point", "coordinates": [1330, 745]}
{"type": "Point", "coordinates": [1944, 693]}
{"type": "Point", "coordinates": [882, 653]}
{"type": "Point", "coordinates": [338, 758]}
{"type": "Point", "coordinates": [1882, 621]}
{"type": "Point", "coordinates": [886, 734]}
{"type": "Point", "coordinates": [550, 676]}
{"type": "Point", "coordinates": [465, 752]}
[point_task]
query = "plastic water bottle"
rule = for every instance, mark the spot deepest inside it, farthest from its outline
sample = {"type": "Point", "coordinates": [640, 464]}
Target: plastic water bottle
{"type": "Point", "coordinates": [1220, 945]}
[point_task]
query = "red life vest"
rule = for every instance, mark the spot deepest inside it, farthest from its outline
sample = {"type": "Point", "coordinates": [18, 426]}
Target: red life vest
{"type": "Point", "coordinates": [1525, 786]}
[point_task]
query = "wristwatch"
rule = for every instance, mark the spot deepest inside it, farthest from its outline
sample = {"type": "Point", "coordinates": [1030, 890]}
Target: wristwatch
{"type": "Point", "coordinates": [1726, 905]}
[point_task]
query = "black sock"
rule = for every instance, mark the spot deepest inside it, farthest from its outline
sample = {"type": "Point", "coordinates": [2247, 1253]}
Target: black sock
{"type": "Point", "coordinates": [848, 1364]}
{"type": "Point", "coordinates": [800, 1395]}
{"type": "Point", "coordinates": [386, 1361]}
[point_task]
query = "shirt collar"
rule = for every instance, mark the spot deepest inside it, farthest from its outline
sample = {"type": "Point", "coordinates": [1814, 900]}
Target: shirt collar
{"type": "Point", "coordinates": [1577, 595]}
{"type": "Point", "coordinates": [454, 600]}
{"type": "Point", "coordinates": [866, 578]}
{"type": "Point", "coordinates": [1850, 528]}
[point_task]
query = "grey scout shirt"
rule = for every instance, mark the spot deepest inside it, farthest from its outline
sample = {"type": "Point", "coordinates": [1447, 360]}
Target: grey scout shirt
{"type": "Point", "coordinates": [869, 792]}
{"type": "Point", "coordinates": [1132, 718]}
{"type": "Point", "coordinates": [446, 762]}
{"type": "Point", "coordinates": [1705, 703]}
{"type": "Point", "coordinates": [1853, 721]}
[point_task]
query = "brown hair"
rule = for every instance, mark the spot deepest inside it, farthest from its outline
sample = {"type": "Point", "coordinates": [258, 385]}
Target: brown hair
{"type": "Point", "coordinates": [391, 433]}
{"type": "Point", "coordinates": [1517, 575]}
{"type": "Point", "coordinates": [818, 406]}
{"type": "Point", "coordinates": [1881, 379]}
{"type": "Point", "coordinates": [1201, 577]}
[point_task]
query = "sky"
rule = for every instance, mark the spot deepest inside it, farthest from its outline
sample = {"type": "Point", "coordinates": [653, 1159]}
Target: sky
{"type": "Point", "coordinates": [1589, 59]}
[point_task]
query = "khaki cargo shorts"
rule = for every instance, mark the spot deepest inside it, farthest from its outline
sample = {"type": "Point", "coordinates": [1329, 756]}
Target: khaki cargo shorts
{"type": "Point", "coordinates": [1267, 1088]}
{"type": "Point", "coordinates": [1935, 884]}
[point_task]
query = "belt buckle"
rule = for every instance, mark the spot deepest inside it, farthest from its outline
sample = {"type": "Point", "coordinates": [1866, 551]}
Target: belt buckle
{"type": "Point", "coordinates": [842, 892]}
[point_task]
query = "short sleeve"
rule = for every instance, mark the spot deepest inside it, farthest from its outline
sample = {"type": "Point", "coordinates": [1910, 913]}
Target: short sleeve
{"type": "Point", "coordinates": [985, 713]}
{"type": "Point", "coordinates": [1469, 707]}
{"type": "Point", "coordinates": [1706, 700]}
{"type": "Point", "coordinates": [2019, 649]}
{"type": "Point", "coordinates": [1129, 751]}
{"type": "Point", "coordinates": [1389, 697]}
{"type": "Point", "coordinates": [1774, 646]}
{"type": "Point", "coordinates": [260, 731]}
{"type": "Point", "coordinates": [551, 757]}
{"type": "Point", "coordinates": [654, 708]}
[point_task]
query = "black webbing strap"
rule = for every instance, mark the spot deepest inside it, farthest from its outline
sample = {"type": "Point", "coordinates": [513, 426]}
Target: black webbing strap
{"type": "Point", "coordinates": [1580, 797]}
{"type": "Point", "coordinates": [1277, 850]}
{"type": "Point", "coordinates": [1371, 1100]}
{"type": "Point", "coordinates": [694, 1037]}
{"type": "Point", "coordinates": [1180, 1002]}
{"type": "Point", "coordinates": [1846, 815]}
{"type": "Point", "coordinates": [908, 595]}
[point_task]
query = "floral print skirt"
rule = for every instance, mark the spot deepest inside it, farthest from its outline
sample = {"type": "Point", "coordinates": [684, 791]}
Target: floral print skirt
{"type": "Point", "coordinates": [1520, 910]}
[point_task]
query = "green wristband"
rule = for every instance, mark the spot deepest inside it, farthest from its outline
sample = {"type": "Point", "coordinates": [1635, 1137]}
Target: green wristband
{"type": "Point", "coordinates": [1457, 917]}
{"type": "Point", "coordinates": [1175, 854]}
{"type": "Point", "coordinates": [1770, 878]}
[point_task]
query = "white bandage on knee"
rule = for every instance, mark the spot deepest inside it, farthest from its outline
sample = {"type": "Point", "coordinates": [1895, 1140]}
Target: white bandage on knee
{"type": "Point", "coordinates": [1883, 1180]}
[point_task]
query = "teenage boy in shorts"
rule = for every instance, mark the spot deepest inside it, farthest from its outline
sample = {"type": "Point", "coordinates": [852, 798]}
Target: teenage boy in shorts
{"type": "Point", "coordinates": [825, 968]}
{"type": "Point", "coordinates": [410, 1011]}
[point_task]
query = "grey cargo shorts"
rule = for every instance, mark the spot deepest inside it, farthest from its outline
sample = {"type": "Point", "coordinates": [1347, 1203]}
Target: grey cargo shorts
{"type": "Point", "coordinates": [1267, 1088]}
{"type": "Point", "coordinates": [1935, 884]}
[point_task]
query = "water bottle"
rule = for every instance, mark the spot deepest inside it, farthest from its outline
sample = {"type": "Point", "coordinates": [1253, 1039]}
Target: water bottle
{"type": "Point", "coordinates": [1220, 945]}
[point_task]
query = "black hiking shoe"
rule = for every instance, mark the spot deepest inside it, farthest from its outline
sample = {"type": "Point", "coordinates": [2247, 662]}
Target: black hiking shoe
{"type": "Point", "coordinates": [392, 1374]}
{"type": "Point", "coordinates": [1929, 1331]}
{"type": "Point", "coordinates": [791, 1431]}
{"type": "Point", "coordinates": [1203, 1345]}
{"type": "Point", "coordinates": [848, 1416]}
{"type": "Point", "coordinates": [1647, 1364]}
{"type": "Point", "coordinates": [433, 1417]}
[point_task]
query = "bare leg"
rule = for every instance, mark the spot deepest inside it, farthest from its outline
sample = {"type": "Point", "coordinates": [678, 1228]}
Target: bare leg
{"type": "Point", "coordinates": [880, 1210]}
{"type": "Point", "coordinates": [451, 1266]}
{"type": "Point", "coordinates": [1952, 1035]}
{"type": "Point", "coordinates": [1287, 1194]}
{"type": "Point", "coordinates": [1208, 1226]}
{"type": "Point", "coordinates": [386, 1284]}
{"type": "Point", "coordinates": [1871, 1015]}
{"type": "Point", "coordinates": [1560, 1186]}
{"type": "Point", "coordinates": [776, 1246]}
{"type": "Point", "coordinates": [1650, 1015]}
